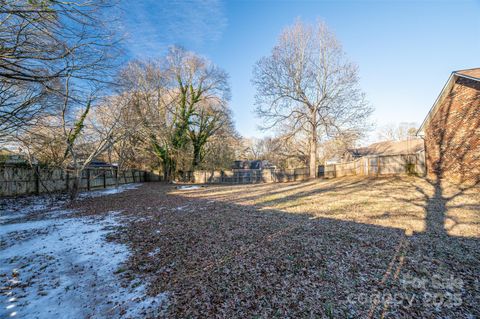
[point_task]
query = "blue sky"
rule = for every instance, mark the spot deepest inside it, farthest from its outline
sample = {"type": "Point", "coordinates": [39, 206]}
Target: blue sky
{"type": "Point", "coordinates": [405, 49]}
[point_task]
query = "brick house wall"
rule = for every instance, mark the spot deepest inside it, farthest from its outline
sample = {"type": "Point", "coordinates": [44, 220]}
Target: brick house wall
{"type": "Point", "coordinates": [452, 135]}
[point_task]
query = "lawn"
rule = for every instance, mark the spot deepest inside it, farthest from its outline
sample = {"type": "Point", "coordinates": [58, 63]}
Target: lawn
{"type": "Point", "coordinates": [398, 247]}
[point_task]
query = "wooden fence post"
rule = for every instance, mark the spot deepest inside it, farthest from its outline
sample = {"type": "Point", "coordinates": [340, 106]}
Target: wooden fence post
{"type": "Point", "coordinates": [37, 180]}
{"type": "Point", "coordinates": [88, 179]}
{"type": "Point", "coordinates": [67, 186]}
{"type": "Point", "coordinates": [378, 165]}
{"type": "Point", "coordinates": [104, 178]}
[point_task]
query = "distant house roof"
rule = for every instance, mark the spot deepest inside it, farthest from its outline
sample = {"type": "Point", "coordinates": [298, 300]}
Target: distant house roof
{"type": "Point", "coordinates": [390, 148]}
{"type": "Point", "coordinates": [472, 74]}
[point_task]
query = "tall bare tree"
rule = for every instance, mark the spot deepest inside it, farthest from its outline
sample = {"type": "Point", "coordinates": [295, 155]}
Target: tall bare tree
{"type": "Point", "coordinates": [44, 42]}
{"type": "Point", "coordinates": [65, 51]}
{"type": "Point", "coordinates": [145, 84]}
{"type": "Point", "coordinates": [113, 121]}
{"type": "Point", "coordinates": [73, 143]}
{"type": "Point", "coordinates": [308, 83]}
{"type": "Point", "coordinates": [208, 118]}
{"type": "Point", "coordinates": [283, 151]}
{"type": "Point", "coordinates": [221, 148]}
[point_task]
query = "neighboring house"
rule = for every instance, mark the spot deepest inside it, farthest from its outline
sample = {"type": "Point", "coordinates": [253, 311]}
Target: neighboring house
{"type": "Point", "coordinates": [410, 146]}
{"type": "Point", "coordinates": [452, 129]}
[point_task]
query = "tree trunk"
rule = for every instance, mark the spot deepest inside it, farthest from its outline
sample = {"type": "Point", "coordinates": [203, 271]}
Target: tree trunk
{"type": "Point", "coordinates": [166, 172]}
{"type": "Point", "coordinates": [76, 185]}
{"type": "Point", "coordinates": [313, 146]}
{"type": "Point", "coordinates": [196, 157]}
{"type": "Point", "coordinates": [169, 169]}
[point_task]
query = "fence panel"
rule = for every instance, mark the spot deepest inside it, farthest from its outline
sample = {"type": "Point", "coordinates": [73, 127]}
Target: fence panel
{"type": "Point", "coordinates": [245, 176]}
{"type": "Point", "coordinates": [22, 180]}
{"type": "Point", "coordinates": [379, 165]}
{"type": "Point", "coordinates": [372, 166]}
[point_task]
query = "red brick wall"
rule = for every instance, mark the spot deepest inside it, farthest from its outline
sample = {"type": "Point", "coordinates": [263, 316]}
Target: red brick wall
{"type": "Point", "coordinates": [452, 137]}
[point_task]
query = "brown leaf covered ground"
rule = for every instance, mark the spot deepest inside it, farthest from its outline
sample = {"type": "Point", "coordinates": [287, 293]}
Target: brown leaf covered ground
{"type": "Point", "coordinates": [399, 247]}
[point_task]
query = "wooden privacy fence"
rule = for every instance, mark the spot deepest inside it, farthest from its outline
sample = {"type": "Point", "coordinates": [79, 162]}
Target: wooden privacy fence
{"type": "Point", "coordinates": [21, 180]}
{"type": "Point", "coordinates": [378, 165]}
{"type": "Point", "coordinates": [245, 176]}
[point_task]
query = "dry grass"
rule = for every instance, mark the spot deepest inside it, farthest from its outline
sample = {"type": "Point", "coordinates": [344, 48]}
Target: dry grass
{"type": "Point", "coordinates": [398, 202]}
{"type": "Point", "coordinates": [313, 249]}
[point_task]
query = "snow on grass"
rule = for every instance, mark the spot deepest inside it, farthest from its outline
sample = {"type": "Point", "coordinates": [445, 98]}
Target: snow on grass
{"type": "Point", "coordinates": [188, 187]}
{"type": "Point", "coordinates": [182, 208]}
{"type": "Point", "coordinates": [154, 252]}
{"type": "Point", "coordinates": [109, 191]}
{"type": "Point", "coordinates": [65, 268]}
{"type": "Point", "coordinates": [15, 208]}
{"type": "Point", "coordinates": [19, 207]}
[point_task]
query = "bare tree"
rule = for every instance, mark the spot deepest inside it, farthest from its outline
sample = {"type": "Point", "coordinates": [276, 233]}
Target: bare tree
{"type": "Point", "coordinates": [146, 84]}
{"type": "Point", "coordinates": [221, 148]}
{"type": "Point", "coordinates": [284, 151]}
{"type": "Point", "coordinates": [73, 142]}
{"type": "Point", "coordinates": [113, 121]}
{"type": "Point", "coordinates": [308, 83]}
{"type": "Point", "coordinates": [20, 104]}
{"type": "Point", "coordinates": [252, 148]}
{"type": "Point", "coordinates": [335, 148]}
{"type": "Point", "coordinates": [400, 132]}
{"type": "Point", "coordinates": [65, 51]}
{"type": "Point", "coordinates": [208, 118]}
{"type": "Point", "coordinates": [42, 44]}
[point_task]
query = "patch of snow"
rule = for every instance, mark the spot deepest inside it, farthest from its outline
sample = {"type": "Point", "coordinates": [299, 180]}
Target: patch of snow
{"type": "Point", "coordinates": [154, 252]}
{"type": "Point", "coordinates": [12, 209]}
{"type": "Point", "coordinates": [20, 207]}
{"type": "Point", "coordinates": [67, 269]}
{"type": "Point", "coordinates": [187, 187]}
{"type": "Point", "coordinates": [25, 226]}
{"type": "Point", "coordinates": [181, 207]}
{"type": "Point", "coordinates": [109, 191]}
{"type": "Point", "coordinates": [138, 305]}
